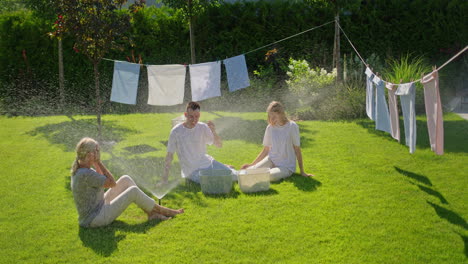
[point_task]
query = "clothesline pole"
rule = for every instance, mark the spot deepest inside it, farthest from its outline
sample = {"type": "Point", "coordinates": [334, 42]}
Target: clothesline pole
{"type": "Point", "coordinates": [336, 49]}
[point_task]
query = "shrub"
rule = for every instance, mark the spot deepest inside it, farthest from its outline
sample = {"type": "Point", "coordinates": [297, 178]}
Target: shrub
{"type": "Point", "coordinates": [344, 101]}
{"type": "Point", "coordinates": [407, 69]}
{"type": "Point", "coordinates": [320, 97]}
{"type": "Point", "coordinates": [307, 83]}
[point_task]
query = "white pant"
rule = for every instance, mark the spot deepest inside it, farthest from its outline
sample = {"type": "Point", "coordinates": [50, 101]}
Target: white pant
{"type": "Point", "coordinates": [276, 173]}
{"type": "Point", "coordinates": [118, 198]}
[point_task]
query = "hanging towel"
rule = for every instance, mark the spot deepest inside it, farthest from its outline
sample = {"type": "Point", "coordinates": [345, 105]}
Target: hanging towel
{"type": "Point", "coordinates": [166, 84]}
{"type": "Point", "coordinates": [236, 70]}
{"type": "Point", "coordinates": [125, 82]}
{"type": "Point", "coordinates": [393, 109]}
{"type": "Point", "coordinates": [382, 118]}
{"type": "Point", "coordinates": [205, 80]}
{"type": "Point", "coordinates": [407, 93]}
{"type": "Point", "coordinates": [435, 122]}
{"type": "Point", "coordinates": [370, 95]}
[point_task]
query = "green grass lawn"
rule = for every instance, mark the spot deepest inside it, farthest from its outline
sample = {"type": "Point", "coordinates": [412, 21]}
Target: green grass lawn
{"type": "Point", "coordinates": [370, 201]}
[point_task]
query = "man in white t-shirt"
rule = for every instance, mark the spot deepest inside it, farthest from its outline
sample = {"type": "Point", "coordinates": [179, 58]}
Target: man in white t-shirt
{"type": "Point", "coordinates": [189, 140]}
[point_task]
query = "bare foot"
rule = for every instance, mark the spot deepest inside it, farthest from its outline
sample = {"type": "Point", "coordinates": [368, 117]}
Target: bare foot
{"type": "Point", "coordinates": [158, 216]}
{"type": "Point", "coordinates": [172, 212]}
{"type": "Point", "coordinates": [167, 211]}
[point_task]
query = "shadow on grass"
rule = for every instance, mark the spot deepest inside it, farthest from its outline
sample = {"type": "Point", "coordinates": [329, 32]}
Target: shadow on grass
{"type": "Point", "coordinates": [442, 212]}
{"type": "Point", "coordinates": [454, 134]}
{"type": "Point", "coordinates": [449, 215]}
{"type": "Point", "coordinates": [194, 187]}
{"type": "Point", "coordinates": [306, 184]}
{"type": "Point", "coordinates": [465, 242]}
{"type": "Point", "coordinates": [104, 241]}
{"type": "Point", "coordinates": [417, 177]}
{"type": "Point", "coordinates": [67, 134]}
{"type": "Point", "coordinates": [424, 180]}
{"type": "Point", "coordinates": [432, 192]}
{"type": "Point", "coordinates": [268, 192]}
{"type": "Point", "coordinates": [233, 194]}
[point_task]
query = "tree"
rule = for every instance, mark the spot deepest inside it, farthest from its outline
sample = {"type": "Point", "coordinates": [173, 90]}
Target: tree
{"type": "Point", "coordinates": [191, 9]}
{"type": "Point", "coordinates": [96, 25]}
{"type": "Point", "coordinates": [57, 33]}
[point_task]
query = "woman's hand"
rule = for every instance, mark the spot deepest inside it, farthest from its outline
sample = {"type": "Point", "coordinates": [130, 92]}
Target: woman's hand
{"type": "Point", "coordinates": [307, 174]}
{"type": "Point", "coordinates": [97, 154]}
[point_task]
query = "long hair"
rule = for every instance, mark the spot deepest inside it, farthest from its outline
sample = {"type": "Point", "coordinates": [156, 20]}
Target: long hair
{"type": "Point", "coordinates": [276, 107]}
{"type": "Point", "coordinates": [85, 146]}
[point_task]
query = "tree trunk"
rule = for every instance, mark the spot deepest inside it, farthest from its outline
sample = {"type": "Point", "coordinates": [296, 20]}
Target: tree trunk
{"type": "Point", "coordinates": [61, 75]}
{"type": "Point", "coordinates": [98, 99]}
{"type": "Point", "coordinates": [192, 35]}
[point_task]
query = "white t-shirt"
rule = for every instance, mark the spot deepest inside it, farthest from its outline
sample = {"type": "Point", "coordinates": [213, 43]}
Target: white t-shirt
{"type": "Point", "coordinates": [281, 140]}
{"type": "Point", "coordinates": [190, 145]}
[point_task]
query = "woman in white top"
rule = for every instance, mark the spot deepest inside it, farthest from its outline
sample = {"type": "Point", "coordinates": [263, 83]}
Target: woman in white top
{"type": "Point", "coordinates": [281, 146]}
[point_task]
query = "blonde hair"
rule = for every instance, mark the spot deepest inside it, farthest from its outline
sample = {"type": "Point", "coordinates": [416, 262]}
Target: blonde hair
{"type": "Point", "coordinates": [276, 107]}
{"type": "Point", "coordinates": [85, 146]}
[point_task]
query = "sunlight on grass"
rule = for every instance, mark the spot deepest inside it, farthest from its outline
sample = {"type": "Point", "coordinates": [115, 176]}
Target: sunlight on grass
{"type": "Point", "coordinates": [370, 202]}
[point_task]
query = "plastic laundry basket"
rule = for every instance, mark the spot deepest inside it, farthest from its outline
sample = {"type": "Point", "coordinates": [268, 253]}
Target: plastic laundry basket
{"type": "Point", "coordinates": [215, 181]}
{"type": "Point", "coordinates": [254, 180]}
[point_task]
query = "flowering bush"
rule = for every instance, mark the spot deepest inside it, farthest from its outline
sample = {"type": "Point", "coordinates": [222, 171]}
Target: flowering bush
{"type": "Point", "coordinates": [306, 81]}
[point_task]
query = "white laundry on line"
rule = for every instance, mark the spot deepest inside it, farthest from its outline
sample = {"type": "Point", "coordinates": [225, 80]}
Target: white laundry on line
{"type": "Point", "coordinates": [166, 84]}
{"type": "Point", "coordinates": [205, 80]}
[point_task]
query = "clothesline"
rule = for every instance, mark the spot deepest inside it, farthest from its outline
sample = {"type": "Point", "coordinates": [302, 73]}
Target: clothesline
{"type": "Point", "coordinates": [273, 43]}
{"type": "Point", "coordinates": [295, 35]}
{"type": "Point", "coordinates": [418, 80]}
{"type": "Point", "coordinates": [347, 38]}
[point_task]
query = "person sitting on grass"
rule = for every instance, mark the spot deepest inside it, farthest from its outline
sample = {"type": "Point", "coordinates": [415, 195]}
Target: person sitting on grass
{"type": "Point", "coordinates": [281, 146]}
{"type": "Point", "coordinates": [189, 140]}
{"type": "Point", "coordinates": [98, 208]}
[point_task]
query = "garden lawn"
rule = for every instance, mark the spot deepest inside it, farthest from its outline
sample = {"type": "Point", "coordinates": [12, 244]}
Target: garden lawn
{"type": "Point", "coordinates": [371, 201]}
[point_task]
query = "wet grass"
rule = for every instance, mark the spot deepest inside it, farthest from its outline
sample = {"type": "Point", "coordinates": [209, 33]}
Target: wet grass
{"type": "Point", "coordinates": [370, 202]}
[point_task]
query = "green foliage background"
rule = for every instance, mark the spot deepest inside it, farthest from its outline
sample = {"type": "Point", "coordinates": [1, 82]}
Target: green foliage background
{"type": "Point", "coordinates": [434, 29]}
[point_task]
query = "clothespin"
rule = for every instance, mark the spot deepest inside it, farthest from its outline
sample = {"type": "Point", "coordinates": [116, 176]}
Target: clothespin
{"type": "Point", "coordinates": [401, 81]}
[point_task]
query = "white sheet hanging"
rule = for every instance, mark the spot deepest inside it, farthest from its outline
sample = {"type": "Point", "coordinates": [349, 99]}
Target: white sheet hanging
{"type": "Point", "coordinates": [205, 80]}
{"type": "Point", "coordinates": [166, 84]}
